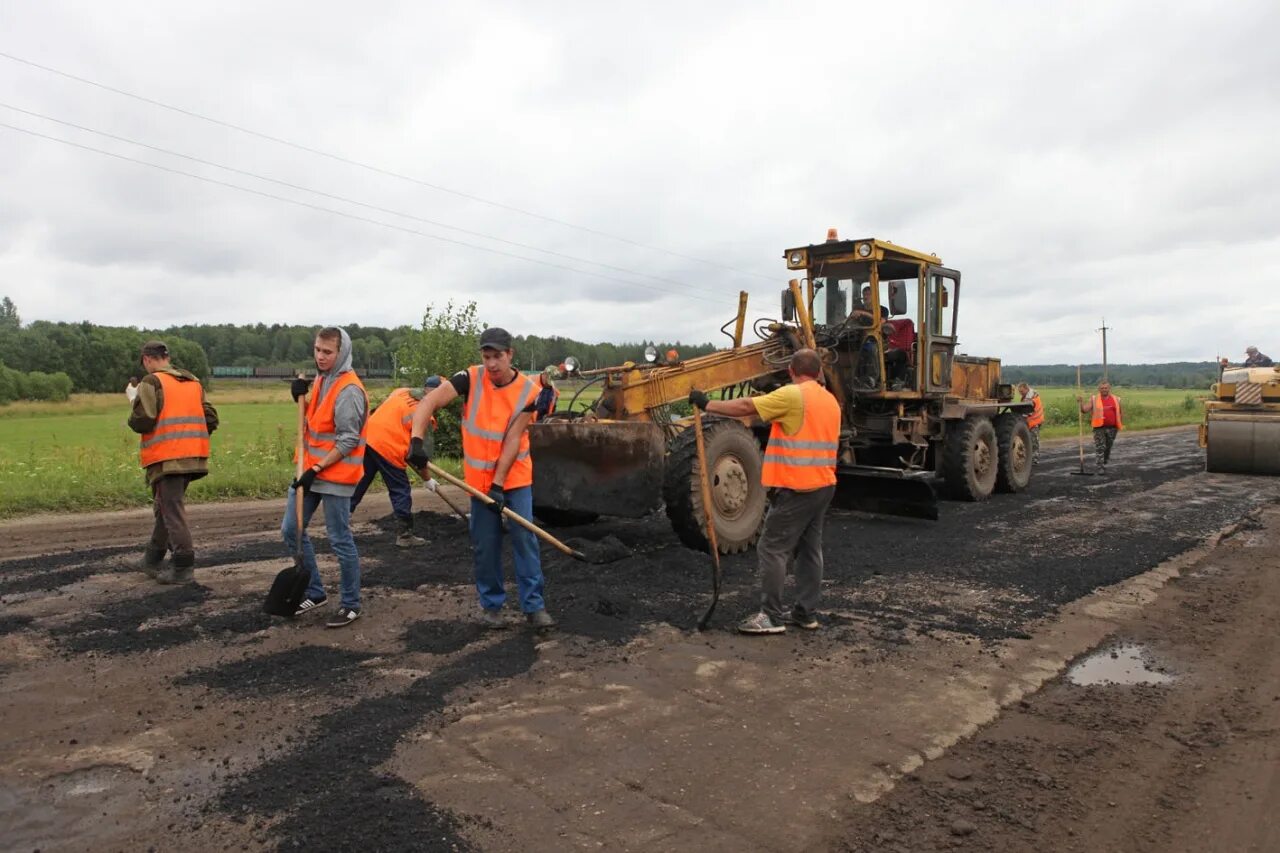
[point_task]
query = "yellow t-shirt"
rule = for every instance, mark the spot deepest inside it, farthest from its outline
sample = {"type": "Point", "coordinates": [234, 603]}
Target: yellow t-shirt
{"type": "Point", "coordinates": [785, 405]}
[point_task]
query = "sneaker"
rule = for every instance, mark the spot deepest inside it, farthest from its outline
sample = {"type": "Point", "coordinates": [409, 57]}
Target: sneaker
{"type": "Point", "coordinates": [344, 617]}
{"type": "Point", "coordinates": [309, 604]}
{"type": "Point", "coordinates": [492, 619]}
{"type": "Point", "coordinates": [761, 623]}
{"type": "Point", "coordinates": [801, 619]}
{"type": "Point", "coordinates": [408, 540]}
{"type": "Point", "coordinates": [540, 619]}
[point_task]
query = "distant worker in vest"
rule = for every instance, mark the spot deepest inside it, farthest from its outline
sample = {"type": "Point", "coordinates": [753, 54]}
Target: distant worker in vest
{"type": "Point", "coordinates": [1107, 421]}
{"type": "Point", "coordinates": [800, 466]}
{"type": "Point", "coordinates": [333, 459]}
{"type": "Point", "coordinates": [499, 404]}
{"type": "Point", "coordinates": [1035, 419]}
{"type": "Point", "coordinates": [388, 445]}
{"type": "Point", "coordinates": [175, 420]}
{"type": "Point", "coordinates": [1253, 358]}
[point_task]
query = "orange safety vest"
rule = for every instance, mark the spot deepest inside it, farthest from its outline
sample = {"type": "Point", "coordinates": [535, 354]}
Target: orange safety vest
{"type": "Point", "coordinates": [1099, 411]}
{"type": "Point", "coordinates": [180, 431]}
{"type": "Point", "coordinates": [1037, 412]}
{"type": "Point", "coordinates": [389, 426]}
{"type": "Point", "coordinates": [490, 412]}
{"type": "Point", "coordinates": [807, 460]}
{"type": "Point", "coordinates": [322, 434]}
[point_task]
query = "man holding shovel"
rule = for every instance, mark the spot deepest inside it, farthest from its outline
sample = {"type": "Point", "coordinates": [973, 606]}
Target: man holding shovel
{"type": "Point", "coordinates": [333, 448]}
{"type": "Point", "coordinates": [800, 468]}
{"type": "Point", "coordinates": [388, 436]}
{"type": "Point", "coordinates": [174, 420]}
{"type": "Point", "coordinates": [499, 403]}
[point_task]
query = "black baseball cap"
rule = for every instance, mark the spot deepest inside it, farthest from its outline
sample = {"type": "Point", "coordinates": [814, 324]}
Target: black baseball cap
{"type": "Point", "coordinates": [495, 338]}
{"type": "Point", "coordinates": [155, 349]}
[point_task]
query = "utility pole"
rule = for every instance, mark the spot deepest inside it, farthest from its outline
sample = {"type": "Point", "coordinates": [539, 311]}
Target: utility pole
{"type": "Point", "coordinates": [1104, 348]}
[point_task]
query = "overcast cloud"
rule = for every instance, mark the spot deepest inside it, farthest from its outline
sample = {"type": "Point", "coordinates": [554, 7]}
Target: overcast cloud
{"type": "Point", "coordinates": [1074, 161]}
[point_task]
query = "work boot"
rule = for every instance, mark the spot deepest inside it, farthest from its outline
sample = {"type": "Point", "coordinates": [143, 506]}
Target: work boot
{"type": "Point", "coordinates": [492, 619]}
{"type": "Point", "coordinates": [149, 563]}
{"type": "Point", "coordinates": [405, 537]}
{"type": "Point", "coordinates": [180, 570]}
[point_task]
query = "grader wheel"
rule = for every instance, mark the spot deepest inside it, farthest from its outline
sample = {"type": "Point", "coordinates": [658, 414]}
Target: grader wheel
{"type": "Point", "coordinates": [1013, 468]}
{"type": "Point", "coordinates": [970, 458]}
{"type": "Point", "coordinates": [734, 460]}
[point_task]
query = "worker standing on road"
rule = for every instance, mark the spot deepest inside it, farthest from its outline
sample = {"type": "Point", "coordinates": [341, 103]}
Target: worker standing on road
{"type": "Point", "coordinates": [1035, 419]}
{"type": "Point", "coordinates": [1107, 421]}
{"type": "Point", "coordinates": [388, 445]}
{"type": "Point", "coordinates": [333, 459]}
{"type": "Point", "coordinates": [1253, 358]}
{"type": "Point", "coordinates": [500, 402]}
{"type": "Point", "coordinates": [800, 466]}
{"type": "Point", "coordinates": [174, 419]}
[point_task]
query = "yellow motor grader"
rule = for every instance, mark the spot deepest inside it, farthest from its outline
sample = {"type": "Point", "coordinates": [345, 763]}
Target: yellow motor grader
{"type": "Point", "coordinates": [914, 411]}
{"type": "Point", "coordinates": [1241, 428]}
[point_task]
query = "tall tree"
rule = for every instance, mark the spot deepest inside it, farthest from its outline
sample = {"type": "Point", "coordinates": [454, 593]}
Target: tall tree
{"type": "Point", "coordinates": [9, 318]}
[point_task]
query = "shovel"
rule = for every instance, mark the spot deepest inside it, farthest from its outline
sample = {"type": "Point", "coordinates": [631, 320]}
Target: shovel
{"type": "Point", "coordinates": [708, 512]}
{"type": "Point", "coordinates": [290, 585]}
{"type": "Point", "coordinates": [1080, 433]}
{"type": "Point", "coordinates": [507, 512]}
{"type": "Point", "coordinates": [434, 487]}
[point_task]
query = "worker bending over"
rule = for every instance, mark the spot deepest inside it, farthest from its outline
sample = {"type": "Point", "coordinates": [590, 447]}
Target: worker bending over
{"type": "Point", "coordinates": [499, 403]}
{"type": "Point", "coordinates": [1107, 421]}
{"type": "Point", "coordinates": [800, 466]}
{"type": "Point", "coordinates": [1035, 419]}
{"type": "Point", "coordinates": [174, 419]}
{"type": "Point", "coordinates": [385, 453]}
{"type": "Point", "coordinates": [333, 455]}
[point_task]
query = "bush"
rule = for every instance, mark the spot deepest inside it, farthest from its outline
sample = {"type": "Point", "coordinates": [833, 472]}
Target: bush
{"type": "Point", "coordinates": [36, 385]}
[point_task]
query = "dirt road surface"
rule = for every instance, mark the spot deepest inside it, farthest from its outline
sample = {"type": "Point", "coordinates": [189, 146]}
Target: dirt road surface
{"type": "Point", "coordinates": [923, 714]}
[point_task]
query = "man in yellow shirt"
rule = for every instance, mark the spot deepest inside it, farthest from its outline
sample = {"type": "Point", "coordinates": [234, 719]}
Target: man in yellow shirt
{"type": "Point", "coordinates": [800, 468]}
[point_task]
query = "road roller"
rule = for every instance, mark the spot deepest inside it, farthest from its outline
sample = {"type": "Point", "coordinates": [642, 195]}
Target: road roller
{"type": "Point", "coordinates": [1241, 429]}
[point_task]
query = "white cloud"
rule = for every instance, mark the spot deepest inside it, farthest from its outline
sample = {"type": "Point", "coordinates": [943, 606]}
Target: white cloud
{"type": "Point", "coordinates": [1074, 162]}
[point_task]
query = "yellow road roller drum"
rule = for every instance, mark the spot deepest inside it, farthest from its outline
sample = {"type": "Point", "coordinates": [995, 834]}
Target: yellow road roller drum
{"type": "Point", "coordinates": [1241, 429]}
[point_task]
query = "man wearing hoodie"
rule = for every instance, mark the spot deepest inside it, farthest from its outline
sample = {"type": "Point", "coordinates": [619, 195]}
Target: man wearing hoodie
{"type": "Point", "coordinates": [333, 448]}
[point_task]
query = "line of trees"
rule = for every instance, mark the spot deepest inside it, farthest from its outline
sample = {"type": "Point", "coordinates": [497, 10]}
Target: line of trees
{"type": "Point", "coordinates": [1174, 374]}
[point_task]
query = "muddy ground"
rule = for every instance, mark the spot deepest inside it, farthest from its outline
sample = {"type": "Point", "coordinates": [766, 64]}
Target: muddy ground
{"type": "Point", "coordinates": [136, 715]}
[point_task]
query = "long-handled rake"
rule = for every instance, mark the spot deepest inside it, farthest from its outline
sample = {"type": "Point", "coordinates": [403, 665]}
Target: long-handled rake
{"type": "Point", "coordinates": [1080, 432]}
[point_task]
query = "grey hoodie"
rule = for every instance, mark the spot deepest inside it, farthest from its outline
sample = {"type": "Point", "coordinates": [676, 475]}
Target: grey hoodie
{"type": "Point", "coordinates": [349, 413]}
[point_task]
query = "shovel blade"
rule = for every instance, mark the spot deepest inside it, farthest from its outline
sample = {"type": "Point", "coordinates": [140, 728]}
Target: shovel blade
{"type": "Point", "coordinates": [287, 591]}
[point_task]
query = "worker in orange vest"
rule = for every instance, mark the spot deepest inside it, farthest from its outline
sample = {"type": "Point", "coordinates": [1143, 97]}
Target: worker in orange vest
{"type": "Point", "coordinates": [1107, 420]}
{"type": "Point", "coordinates": [333, 463]}
{"type": "Point", "coordinates": [800, 468]}
{"type": "Point", "coordinates": [1035, 419]}
{"type": "Point", "coordinates": [500, 403]}
{"type": "Point", "coordinates": [174, 419]}
{"type": "Point", "coordinates": [388, 445]}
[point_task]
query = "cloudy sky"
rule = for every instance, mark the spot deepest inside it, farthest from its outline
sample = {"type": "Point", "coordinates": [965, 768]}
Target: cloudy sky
{"type": "Point", "coordinates": [1074, 161]}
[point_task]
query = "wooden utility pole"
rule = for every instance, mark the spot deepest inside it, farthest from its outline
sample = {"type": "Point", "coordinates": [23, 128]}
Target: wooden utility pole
{"type": "Point", "coordinates": [1104, 348]}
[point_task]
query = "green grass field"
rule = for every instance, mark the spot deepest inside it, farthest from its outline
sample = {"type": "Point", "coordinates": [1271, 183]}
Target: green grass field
{"type": "Point", "coordinates": [79, 455]}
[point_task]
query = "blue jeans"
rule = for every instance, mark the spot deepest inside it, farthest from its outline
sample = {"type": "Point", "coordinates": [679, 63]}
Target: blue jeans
{"type": "Point", "coordinates": [486, 542]}
{"type": "Point", "coordinates": [397, 480]}
{"type": "Point", "coordinates": [337, 523]}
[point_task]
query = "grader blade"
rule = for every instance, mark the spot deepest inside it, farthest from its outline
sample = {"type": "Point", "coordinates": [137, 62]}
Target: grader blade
{"type": "Point", "coordinates": [605, 468]}
{"type": "Point", "coordinates": [1241, 442]}
{"type": "Point", "coordinates": [885, 491]}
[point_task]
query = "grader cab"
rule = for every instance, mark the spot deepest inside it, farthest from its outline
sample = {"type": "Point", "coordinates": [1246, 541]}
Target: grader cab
{"type": "Point", "coordinates": [914, 412]}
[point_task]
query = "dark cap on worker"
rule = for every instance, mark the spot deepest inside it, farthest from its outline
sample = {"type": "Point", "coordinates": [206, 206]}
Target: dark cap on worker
{"type": "Point", "coordinates": [432, 381]}
{"type": "Point", "coordinates": [495, 338]}
{"type": "Point", "coordinates": [155, 349]}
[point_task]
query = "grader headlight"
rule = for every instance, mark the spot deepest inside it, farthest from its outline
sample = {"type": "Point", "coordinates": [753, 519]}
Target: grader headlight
{"type": "Point", "coordinates": [797, 260]}
{"type": "Point", "coordinates": [864, 250]}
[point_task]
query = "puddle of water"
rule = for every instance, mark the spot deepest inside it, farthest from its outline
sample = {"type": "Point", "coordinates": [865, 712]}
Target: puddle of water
{"type": "Point", "coordinates": [1127, 663]}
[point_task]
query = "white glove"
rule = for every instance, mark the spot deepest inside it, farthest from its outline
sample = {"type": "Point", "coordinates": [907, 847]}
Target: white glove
{"type": "Point", "coordinates": [432, 484]}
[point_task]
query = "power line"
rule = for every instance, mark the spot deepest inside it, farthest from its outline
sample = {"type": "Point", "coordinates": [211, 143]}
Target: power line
{"type": "Point", "coordinates": [346, 215]}
{"type": "Point", "coordinates": [335, 197]}
{"type": "Point", "coordinates": [371, 168]}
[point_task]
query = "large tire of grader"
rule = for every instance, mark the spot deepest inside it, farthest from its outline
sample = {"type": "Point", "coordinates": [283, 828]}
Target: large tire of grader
{"type": "Point", "coordinates": [1013, 439]}
{"type": "Point", "coordinates": [734, 460]}
{"type": "Point", "coordinates": [969, 458]}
